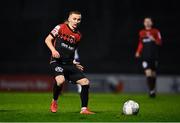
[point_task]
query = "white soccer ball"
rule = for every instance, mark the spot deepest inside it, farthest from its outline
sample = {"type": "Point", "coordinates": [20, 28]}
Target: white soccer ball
{"type": "Point", "coordinates": [130, 108]}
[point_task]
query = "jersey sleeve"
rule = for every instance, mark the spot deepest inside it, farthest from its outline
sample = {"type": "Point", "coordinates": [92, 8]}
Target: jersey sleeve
{"type": "Point", "coordinates": [79, 37]}
{"type": "Point", "coordinates": [158, 38]}
{"type": "Point", "coordinates": [140, 45]}
{"type": "Point", "coordinates": [54, 33]}
{"type": "Point", "coordinates": [76, 56]}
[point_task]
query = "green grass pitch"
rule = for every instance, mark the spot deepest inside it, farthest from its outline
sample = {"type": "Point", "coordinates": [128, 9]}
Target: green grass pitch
{"type": "Point", "coordinates": [108, 107]}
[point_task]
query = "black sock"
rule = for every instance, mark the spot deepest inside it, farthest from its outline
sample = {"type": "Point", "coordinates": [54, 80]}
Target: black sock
{"type": "Point", "coordinates": [84, 95]}
{"type": "Point", "coordinates": [151, 81]}
{"type": "Point", "coordinates": [56, 91]}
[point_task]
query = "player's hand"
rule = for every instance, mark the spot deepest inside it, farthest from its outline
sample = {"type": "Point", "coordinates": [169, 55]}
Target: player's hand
{"type": "Point", "coordinates": [80, 67]}
{"type": "Point", "coordinates": [137, 55]}
{"type": "Point", "coordinates": [55, 54]}
{"type": "Point", "coordinates": [152, 38]}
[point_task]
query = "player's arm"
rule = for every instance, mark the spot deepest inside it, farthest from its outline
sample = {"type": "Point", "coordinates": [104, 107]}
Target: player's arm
{"type": "Point", "coordinates": [76, 57]}
{"type": "Point", "coordinates": [139, 48]}
{"type": "Point", "coordinates": [76, 61]}
{"type": "Point", "coordinates": [49, 42]}
{"type": "Point", "coordinates": [158, 38]}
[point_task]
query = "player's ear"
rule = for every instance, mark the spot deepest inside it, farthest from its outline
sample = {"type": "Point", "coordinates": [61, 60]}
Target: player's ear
{"type": "Point", "coordinates": [69, 17]}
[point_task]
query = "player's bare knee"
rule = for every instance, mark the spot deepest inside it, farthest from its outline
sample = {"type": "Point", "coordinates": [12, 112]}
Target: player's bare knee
{"type": "Point", "coordinates": [83, 81]}
{"type": "Point", "coordinates": [149, 73]}
{"type": "Point", "coordinates": [59, 79]}
{"type": "Point", "coordinates": [86, 81]}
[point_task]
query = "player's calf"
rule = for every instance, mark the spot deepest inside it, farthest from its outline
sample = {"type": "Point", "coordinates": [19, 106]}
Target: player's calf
{"type": "Point", "coordinates": [151, 81]}
{"type": "Point", "coordinates": [84, 96]}
{"type": "Point", "coordinates": [57, 88]}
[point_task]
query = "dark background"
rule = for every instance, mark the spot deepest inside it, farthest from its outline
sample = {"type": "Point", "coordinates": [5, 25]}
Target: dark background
{"type": "Point", "coordinates": [109, 27]}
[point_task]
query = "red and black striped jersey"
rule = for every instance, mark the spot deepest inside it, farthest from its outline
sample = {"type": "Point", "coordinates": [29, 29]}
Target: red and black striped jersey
{"type": "Point", "coordinates": [65, 41]}
{"type": "Point", "coordinates": [144, 38]}
{"type": "Point", "coordinates": [149, 41]}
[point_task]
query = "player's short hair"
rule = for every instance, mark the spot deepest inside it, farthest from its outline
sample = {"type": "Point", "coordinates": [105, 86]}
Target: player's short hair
{"type": "Point", "coordinates": [74, 12]}
{"type": "Point", "coordinates": [148, 18]}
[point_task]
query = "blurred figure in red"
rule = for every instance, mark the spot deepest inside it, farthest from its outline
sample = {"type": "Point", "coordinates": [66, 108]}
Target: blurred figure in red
{"type": "Point", "coordinates": [148, 50]}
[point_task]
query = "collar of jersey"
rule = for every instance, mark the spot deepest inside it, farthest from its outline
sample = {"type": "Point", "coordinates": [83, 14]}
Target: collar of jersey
{"type": "Point", "coordinates": [71, 29]}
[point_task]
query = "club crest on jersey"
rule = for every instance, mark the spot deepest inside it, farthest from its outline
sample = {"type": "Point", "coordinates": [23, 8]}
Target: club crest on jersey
{"type": "Point", "coordinates": [58, 69]}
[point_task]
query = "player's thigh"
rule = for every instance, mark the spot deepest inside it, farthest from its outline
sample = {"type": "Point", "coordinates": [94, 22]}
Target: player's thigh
{"type": "Point", "coordinates": [77, 76]}
{"type": "Point", "coordinates": [153, 66]}
{"type": "Point", "coordinates": [154, 73]}
{"type": "Point", "coordinates": [148, 72]}
{"type": "Point", "coordinates": [83, 81]}
{"type": "Point", "coordinates": [58, 72]}
{"type": "Point", "coordinates": [148, 68]}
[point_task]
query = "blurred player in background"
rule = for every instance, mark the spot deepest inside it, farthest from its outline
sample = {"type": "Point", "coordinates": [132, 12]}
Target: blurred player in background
{"type": "Point", "coordinates": [148, 50]}
{"type": "Point", "coordinates": [62, 42]}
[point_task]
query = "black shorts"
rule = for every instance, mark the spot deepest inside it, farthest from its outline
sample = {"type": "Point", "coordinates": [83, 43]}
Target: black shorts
{"type": "Point", "coordinates": [149, 64]}
{"type": "Point", "coordinates": [69, 71]}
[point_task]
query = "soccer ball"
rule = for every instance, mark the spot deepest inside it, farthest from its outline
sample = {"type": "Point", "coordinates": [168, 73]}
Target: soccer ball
{"type": "Point", "coordinates": [130, 108]}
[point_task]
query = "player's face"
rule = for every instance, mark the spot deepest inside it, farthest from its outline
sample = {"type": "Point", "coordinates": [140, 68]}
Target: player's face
{"type": "Point", "coordinates": [148, 23]}
{"type": "Point", "coordinates": [74, 20]}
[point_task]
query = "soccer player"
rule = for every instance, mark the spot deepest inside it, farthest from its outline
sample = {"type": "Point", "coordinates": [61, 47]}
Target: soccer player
{"type": "Point", "coordinates": [149, 42]}
{"type": "Point", "coordinates": [62, 41]}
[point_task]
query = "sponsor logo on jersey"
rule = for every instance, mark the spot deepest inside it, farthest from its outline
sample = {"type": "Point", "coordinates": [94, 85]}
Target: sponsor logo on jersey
{"type": "Point", "coordinates": [67, 46]}
{"type": "Point", "coordinates": [145, 40]}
